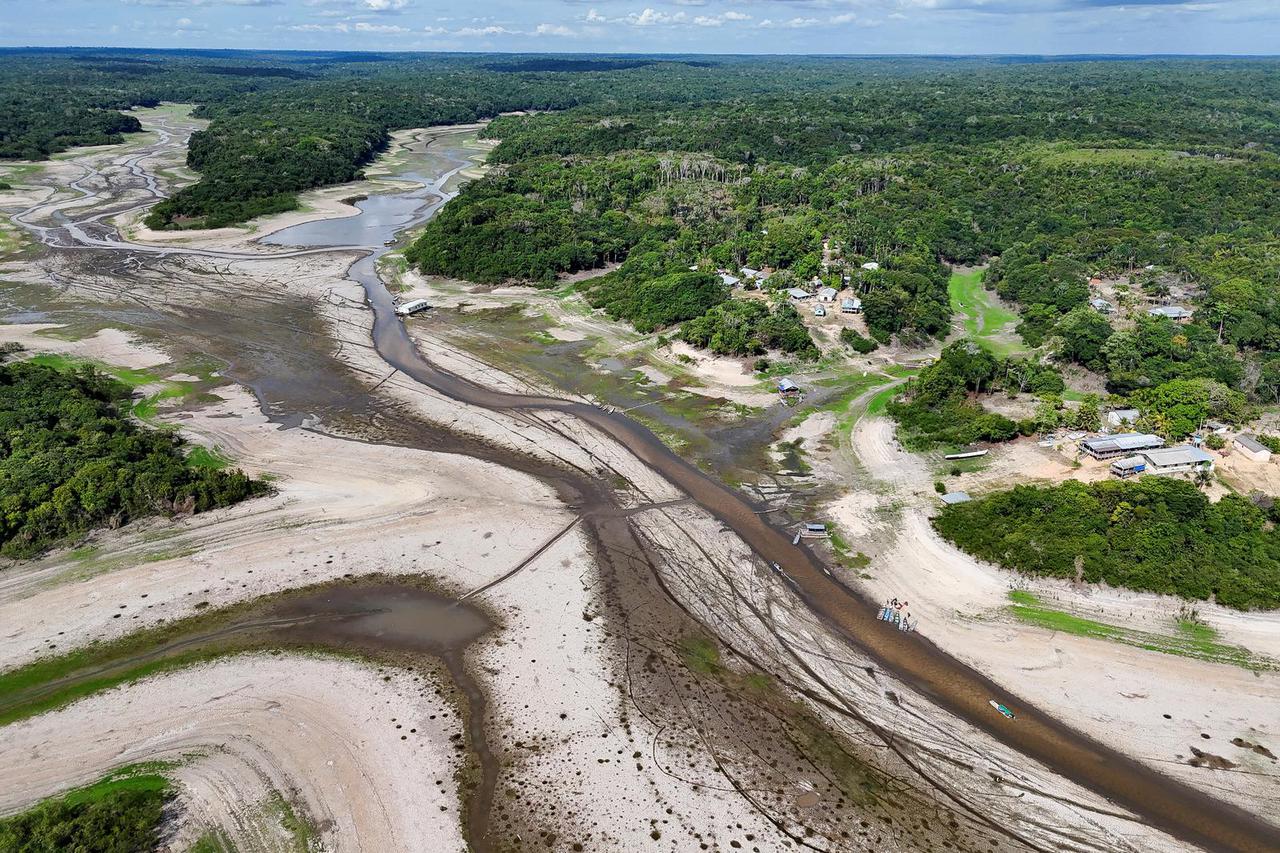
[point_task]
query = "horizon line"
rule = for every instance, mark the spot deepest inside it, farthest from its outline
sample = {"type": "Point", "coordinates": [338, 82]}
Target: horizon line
{"type": "Point", "coordinates": [427, 52]}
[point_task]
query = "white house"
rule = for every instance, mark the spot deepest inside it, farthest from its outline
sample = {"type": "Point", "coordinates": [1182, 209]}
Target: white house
{"type": "Point", "coordinates": [819, 311]}
{"type": "Point", "coordinates": [1251, 448]}
{"type": "Point", "coordinates": [1122, 417]}
{"type": "Point", "coordinates": [827, 294]}
{"type": "Point", "coordinates": [1177, 460]}
{"type": "Point", "coordinates": [1174, 312]}
{"type": "Point", "coordinates": [1123, 444]}
{"type": "Point", "coordinates": [871, 265]}
{"type": "Point", "coordinates": [851, 305]}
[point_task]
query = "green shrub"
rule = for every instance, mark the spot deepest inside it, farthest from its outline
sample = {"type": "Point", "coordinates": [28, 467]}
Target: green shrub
{"type": "Point", "coordinates": [856, 342]}
{"type": "Point", "coordinates": [1153, 534]}
{"type": "Point", "coordinates": [70, 460]}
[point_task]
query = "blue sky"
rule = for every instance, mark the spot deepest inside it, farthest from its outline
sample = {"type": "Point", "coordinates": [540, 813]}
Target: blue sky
{"type": "Point", "coordinates": [671, 26]}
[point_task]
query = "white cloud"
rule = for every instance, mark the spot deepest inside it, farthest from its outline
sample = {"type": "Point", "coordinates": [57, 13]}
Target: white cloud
{"type": "Point", "coordinates": [385, 5]}
{"type": "Point", "coordinates": [792, 24]}
{"type": "Point", "coordinates": [366, 27]}
{"type": "Point", "coordinates": [553, 30]}
{"type": "Point", "coordinates": [652, 17]}
{"type": "Point", "coordinates": [480, 32]}
{"type": "Point", "coordinates": [720, 20]}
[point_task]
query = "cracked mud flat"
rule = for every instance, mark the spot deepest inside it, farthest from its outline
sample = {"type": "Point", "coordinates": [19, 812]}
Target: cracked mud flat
{"type": "Point", "coordinates": [616, 727]}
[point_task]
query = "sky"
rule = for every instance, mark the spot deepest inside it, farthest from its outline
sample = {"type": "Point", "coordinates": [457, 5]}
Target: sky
{"type": "Point", "coordinates": [657, 26]}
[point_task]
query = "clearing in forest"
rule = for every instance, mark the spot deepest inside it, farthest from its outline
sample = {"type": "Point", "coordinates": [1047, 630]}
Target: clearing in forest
{"type": "Point", "coordinates": [984, 319]}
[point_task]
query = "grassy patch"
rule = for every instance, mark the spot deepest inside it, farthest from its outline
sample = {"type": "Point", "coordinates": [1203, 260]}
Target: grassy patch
{"type": "Point", "coordinates": [301, 832]}
{"type": "Point", "coordinates": [122, 811]}
{"type": "Point", "coordinates": [964, 466]}
{"type": "Point", "coordinates": [700, 654]}
{"type": "Point", "coordinates": [135, 777]}
{"type": "Point", "coordinates": [876, 405]}
{"type": "Point", "coordinates": [203, 457]}
{"type": "Point", "coordinates": [981, 316]}
{"type": "Point", "coordinates": [213, 841]}
{"type": "Point", "coordinates": [1191, 639]}
{"type": "Point", "coordinates": [11, 240]}
{"type": "Point", "coordinates": [148, 407]}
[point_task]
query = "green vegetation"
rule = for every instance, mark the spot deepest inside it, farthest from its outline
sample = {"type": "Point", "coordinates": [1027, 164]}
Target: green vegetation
{"type": "Point", "coordinates": [982, 318]}
{"type": "Point", "coordinates": [203, 457]}
{"type": "Point", "coordinates": [1177, 408]}
{"type": "Point", "coordinates": [700, 654]}
{"type": "Point", "coordinates": [119, 814]}
{"type": "Point", "coordinates": [940, 405]}
{"type": "Point", "coordinates": [1160, 171]}
{"type": "Point", "coordinates": [856, 342]}
{"type": "Point", "coordinates": [301, 834]}
{"type": "Point", "coordinates": [654, 303]}
{"type": "Point", "coordinates": [1154, 534]}
{"type": "Point", "coordinates": [1191, 639]}
{"type": "Point", "coordinates": [742, 327]}
{"type": "Point", "coordinates": [71, 460]}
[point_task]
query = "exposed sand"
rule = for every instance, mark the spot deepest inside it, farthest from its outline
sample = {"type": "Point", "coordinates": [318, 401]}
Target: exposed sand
{"type": "Point", "coordinates": [363, 509]}
{"type": "Point", "coordinates": [877, 448]}
{"type": "Point", "coordinates": [1114, 692]}
{"type": "Point", "coordinates": [320, 731]}
{"type": "Point", "coordinates": [109, 346]}
{"type": "Point", "coordinates": [371, 508]}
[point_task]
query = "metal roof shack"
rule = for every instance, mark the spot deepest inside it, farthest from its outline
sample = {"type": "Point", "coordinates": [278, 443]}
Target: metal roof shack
{"type": "Point", "coordinates": [729, 280]}
{"type": "Point", "coordinates": [956, 498]}
{"type": "Point", "coordinates": [851, 305]}
{"type": "Point", "coordinates": [1173, 312]}
{"type": "Point", "coordinates": [827, 294]}
{"type": "Point", "coordinates": [1175, 460]}
{"type": "Point", "coordinates": [1128, 467]}
{"type": "Point", "coordinates": [798, 293]}
{"type": "Point", "coordinates": [786, 386]}
{"type": "Point", "coordinates": [1111, 446]}
{"type": "Point", "coordinates": [1102, 306]}
{"type": "Point", "coordinates": [1252, 448]}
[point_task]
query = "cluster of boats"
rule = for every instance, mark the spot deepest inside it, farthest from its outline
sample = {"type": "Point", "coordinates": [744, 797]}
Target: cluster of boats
{"type": "Point", "coordinates": [894, 613]}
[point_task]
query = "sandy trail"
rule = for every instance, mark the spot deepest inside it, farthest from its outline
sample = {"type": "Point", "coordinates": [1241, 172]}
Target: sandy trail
{"type": "Point", "coordinates": [885, 461]}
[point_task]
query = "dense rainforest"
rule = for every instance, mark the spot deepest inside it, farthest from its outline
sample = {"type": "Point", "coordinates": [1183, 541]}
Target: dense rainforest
{"type": "Point", "coordinates": [1153, 534]}
{"type": "Point", "coordinates": [1160, 172]}
{"type": "Point", "coordinates": [71, 459]}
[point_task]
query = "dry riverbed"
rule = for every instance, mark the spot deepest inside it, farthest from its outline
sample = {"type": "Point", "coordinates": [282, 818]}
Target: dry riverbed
{"type": "Point", "coordinates": [650, 683]}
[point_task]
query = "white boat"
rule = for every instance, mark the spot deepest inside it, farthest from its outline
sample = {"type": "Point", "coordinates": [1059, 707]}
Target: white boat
{"type": "Point", "coordinates": [412, 307]}
{"type": "Point", "coordinates": [1002, 709]}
